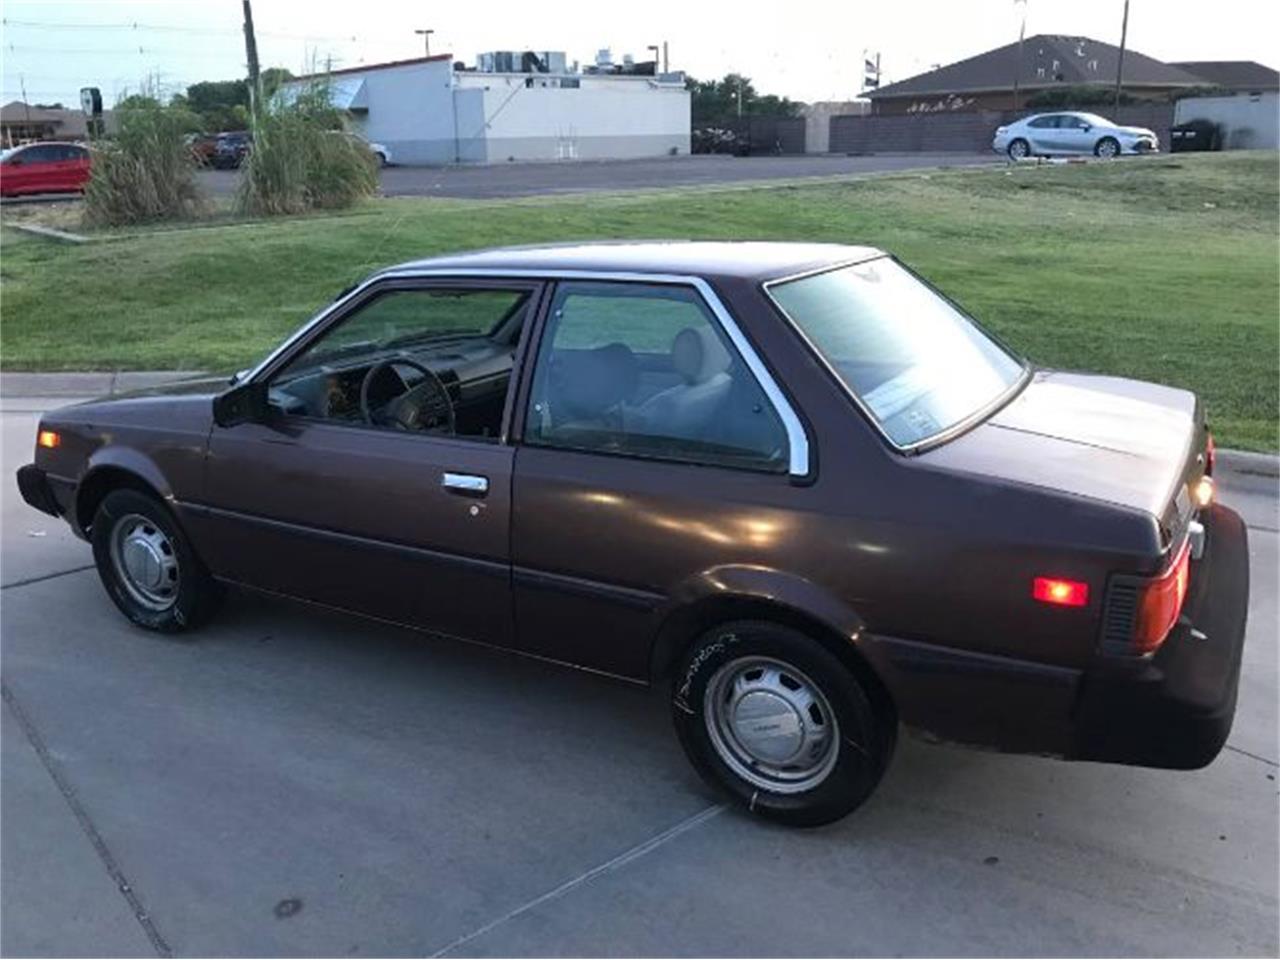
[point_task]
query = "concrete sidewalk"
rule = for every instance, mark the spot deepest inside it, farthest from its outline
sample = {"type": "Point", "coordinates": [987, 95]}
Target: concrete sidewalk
{"type": "Point", "coordinates": [87, 384]}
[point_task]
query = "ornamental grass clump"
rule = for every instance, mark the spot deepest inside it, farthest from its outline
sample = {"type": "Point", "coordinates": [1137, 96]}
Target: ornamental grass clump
{"type": "Point", "coordinates": [302, 159]}
{"type": "Point", "coordinates": [145, 173]}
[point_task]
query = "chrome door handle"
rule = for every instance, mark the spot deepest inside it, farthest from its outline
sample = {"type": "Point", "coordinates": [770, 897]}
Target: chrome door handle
{"type": "Point", "coordinates": [470, 483]}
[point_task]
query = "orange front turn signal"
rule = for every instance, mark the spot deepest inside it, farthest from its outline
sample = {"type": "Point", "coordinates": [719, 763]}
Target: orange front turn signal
{"type": "Point", "coordinates": [1064, 593]}
{"type": "Point", "coordinates": [48, 439]}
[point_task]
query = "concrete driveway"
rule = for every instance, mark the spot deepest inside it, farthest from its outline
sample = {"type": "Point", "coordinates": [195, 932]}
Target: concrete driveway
{"type": "Point", "coordinates": [531, 179]}
{"type": "Point", "coordinates": [291, 782]}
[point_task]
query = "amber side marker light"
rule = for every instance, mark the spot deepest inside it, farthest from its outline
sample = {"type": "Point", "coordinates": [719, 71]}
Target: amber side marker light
{"type": "Point", "coordinates": [1203, 491]}
{"type": "Point", "coordinates": [48, 439]}
{"type": "Point", "coordinates": [1064, 593]}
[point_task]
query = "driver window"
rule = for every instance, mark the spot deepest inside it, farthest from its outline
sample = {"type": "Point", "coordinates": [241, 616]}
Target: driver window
{"type": "Point", "coordinates": [435, 361]}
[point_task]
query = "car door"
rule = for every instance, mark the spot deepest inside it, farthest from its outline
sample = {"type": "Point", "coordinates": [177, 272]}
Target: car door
{"type": "Point", "coordinates": [648, 452]}
{"type": "Point", "coordinates": [1072, 135]}
{"type": "Point", "coordinates": [74, 167]}
{"type": "Point", "coordinates": [1043, 132]}
{"type": "Point", "coordinates": [26, 170]}
{"type": "Point", "coordinates": [314, 500]}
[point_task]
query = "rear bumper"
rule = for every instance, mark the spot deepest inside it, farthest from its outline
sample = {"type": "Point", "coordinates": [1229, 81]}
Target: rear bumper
{"type": "Point", "coordinates": [1175, 709]}
{"type": "Point", "coordinates": [33, 484]}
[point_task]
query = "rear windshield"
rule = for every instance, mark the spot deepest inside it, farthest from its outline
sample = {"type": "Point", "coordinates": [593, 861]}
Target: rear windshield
{"type": "Point", "coordinates": [915, 363]}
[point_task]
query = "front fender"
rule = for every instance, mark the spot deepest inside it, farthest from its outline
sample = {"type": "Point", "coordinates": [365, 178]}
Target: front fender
{"type": "Point", "coordinates": [107, 467]}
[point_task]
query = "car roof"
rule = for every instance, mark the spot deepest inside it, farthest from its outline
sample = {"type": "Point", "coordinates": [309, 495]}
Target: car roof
{"type": "Point", "coordinates": [747, 259]}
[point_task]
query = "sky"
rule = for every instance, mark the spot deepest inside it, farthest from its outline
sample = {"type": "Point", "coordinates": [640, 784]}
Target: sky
{"type": "Point", "coordinates": [813, 52]}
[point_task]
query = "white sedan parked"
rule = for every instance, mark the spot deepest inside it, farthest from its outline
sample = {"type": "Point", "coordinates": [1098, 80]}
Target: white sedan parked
{"type": "Point", "coordinates": [1050, 134]}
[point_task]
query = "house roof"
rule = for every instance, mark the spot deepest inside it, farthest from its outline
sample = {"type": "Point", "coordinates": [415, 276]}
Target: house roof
{"type": "Point", "coordinates": [1047, 60]}
{"type": "Point", "coordinates": [1233, 74]}
{"type": "Point", "coordinates": [15, 111]}
{"type": "Point", "coordinates": [69, 123]}
{"type": "Point", "coordinates": [365, 68]}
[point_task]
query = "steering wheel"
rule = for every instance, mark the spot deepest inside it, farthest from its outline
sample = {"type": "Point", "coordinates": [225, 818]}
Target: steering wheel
{"type": "Point", "coordinates": [416, 408]}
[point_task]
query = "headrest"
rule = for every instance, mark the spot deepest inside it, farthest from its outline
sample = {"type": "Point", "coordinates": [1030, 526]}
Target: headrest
{"type": "Point", "coordinates": [594, 381]}
{"type": "Point", "coordinates": [698, 355]}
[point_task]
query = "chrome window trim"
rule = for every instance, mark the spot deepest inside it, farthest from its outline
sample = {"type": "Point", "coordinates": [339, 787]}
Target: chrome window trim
{"type": "Point", "coordinates": [927, 443]}
{"type": "Point", "coordinates": [797, 437]}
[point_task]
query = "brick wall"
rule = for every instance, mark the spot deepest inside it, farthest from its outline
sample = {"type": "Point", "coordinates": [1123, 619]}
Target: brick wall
{"type": "Point", "coordinates": [962, 132]}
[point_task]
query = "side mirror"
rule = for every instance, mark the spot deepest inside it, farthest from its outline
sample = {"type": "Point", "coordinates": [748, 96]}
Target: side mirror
{"type": "Point", "coordinates": [1087, 128]}
{"type": "Point", "coordinates": [245, 403]}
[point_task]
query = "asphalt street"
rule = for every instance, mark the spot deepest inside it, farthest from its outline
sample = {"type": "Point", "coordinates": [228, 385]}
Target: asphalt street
{"type": "Point", "coordinates": [496, 181]}
{"type": "Point", "coordinates": [290, 782]}
{"type": "Point", "coordinates": [532, 179]}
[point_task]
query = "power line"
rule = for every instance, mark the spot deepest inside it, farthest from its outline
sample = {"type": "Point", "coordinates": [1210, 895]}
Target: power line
{"type": "Point", "coordinates": [135, 26]}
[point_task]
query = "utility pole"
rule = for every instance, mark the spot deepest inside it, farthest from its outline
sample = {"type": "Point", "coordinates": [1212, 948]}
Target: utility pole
{"type": "Point", "coordinates": [666, 63]}
{"type": "Point", "coordinates": [1124, 35]}
{"type": "Point", "coordinates": [1017, 70]}
{"type": "Point", "coordinates": [426, 39]}
{"type": "Point", "coordinates": [251, 54]}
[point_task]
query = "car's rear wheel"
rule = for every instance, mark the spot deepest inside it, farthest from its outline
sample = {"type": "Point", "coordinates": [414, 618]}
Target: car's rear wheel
{"type": "Point", "coordinates": [1108, 148]}
{"type": "Point", "coordinates": [1019, 149]}
{"type": "Point", "coordinates": [779, 723]}
{"type": "Point", "coordinates": [148, 566]}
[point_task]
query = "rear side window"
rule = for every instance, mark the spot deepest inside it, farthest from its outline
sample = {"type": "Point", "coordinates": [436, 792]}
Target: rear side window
{"type": "Point", "coordinates": [645, 370]}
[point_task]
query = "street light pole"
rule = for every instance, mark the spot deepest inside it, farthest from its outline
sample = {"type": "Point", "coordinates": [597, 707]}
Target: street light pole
{"type": "Point", "coordinates": [1124, 35]}
{"type": "Point", "coordinates": [426, 39]}
{"type": "Point", "coordinates": [1017, 70]}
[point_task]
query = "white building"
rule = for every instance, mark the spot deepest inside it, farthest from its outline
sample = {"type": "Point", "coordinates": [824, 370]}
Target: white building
{"type": "Point", "coordinates": [427, 112]}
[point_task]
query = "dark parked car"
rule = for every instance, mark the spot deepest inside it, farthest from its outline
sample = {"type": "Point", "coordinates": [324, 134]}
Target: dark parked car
{"type": "Point", "coordinates": [795, 481]}
{"type": "Point", "coordinates": [45, 168]}
{"type": "Point", "coordinates": [230, 149]}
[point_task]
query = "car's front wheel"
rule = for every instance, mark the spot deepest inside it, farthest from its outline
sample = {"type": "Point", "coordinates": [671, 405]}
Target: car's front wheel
{"type": "Point", "coordinates": [1108, 148]}
{"type": "Point", "coordinates": [781, 724]}
{"type": "Point", "coordinates": [148, 566]}
{"type": "Point", "coordinates": [1019, 149]}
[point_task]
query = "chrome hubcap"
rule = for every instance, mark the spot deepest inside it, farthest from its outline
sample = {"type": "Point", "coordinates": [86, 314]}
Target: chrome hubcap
{"type": "Point", "coordinates": [771, 725]}
{"type": "Point", "coordinates": [1107, 150]}
{"type": "Point", "coordinates": [145, 561]}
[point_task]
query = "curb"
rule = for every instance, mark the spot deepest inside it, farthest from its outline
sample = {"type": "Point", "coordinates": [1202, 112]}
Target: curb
{"type": "Point", "coordinates": [80, 384]}
{"type": "Point", "coordinates": [1250, 464]}
{"type": "Point", "coordinates": [49, 233]}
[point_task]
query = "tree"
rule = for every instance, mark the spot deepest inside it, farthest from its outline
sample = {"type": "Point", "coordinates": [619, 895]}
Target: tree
{"type": "Point", "coordinates": [715, 102]}
{"type": "Point", "coordinates": [273, 78]}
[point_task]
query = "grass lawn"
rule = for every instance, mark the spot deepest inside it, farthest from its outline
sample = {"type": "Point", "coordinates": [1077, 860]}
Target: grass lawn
{"type": "Point", "coordinates": [1165, 269]}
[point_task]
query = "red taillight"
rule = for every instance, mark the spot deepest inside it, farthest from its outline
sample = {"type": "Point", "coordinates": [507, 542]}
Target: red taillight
{"type": "Point", "coordinates": [1065, 593]}
{"type": "Point", "coordinates": [1160, 603]}
{"type": "Point", "coordinates": [1210, 454]}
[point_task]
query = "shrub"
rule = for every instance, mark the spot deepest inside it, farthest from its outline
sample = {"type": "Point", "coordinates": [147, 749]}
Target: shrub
{"type": "Point", "coordinates": [145, 173]}
{"type": "Point", "coordinates": [303, 160]}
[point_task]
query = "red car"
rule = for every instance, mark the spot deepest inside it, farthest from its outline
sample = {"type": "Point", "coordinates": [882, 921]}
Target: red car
{"type": "Point", "coordinates": [45, 168]}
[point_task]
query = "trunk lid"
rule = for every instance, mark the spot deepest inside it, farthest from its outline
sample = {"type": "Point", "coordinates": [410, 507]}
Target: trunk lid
{"type": "Point", "coordinates": [1135, 444]}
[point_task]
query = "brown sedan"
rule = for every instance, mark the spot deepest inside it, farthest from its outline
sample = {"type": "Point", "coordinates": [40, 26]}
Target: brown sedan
{"type": "Point", "coordinates": [794, 481]}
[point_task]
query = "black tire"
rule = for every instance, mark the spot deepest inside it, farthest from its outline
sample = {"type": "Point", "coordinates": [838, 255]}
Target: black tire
{"type": "Point", "coordinates": [863, 747]}
{"type": "Point", "coordinates": [1098, 149]}
{"type": "Point", "coordinates": [1018, 145]}
{"type": "Point", "coordinates": [196, 596]}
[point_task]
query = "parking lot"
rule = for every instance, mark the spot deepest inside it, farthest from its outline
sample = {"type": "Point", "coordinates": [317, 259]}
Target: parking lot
{"type": "Point", "coordinates": [532, 179]}
{"type": "Point", "coordinates": [293, 782]}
